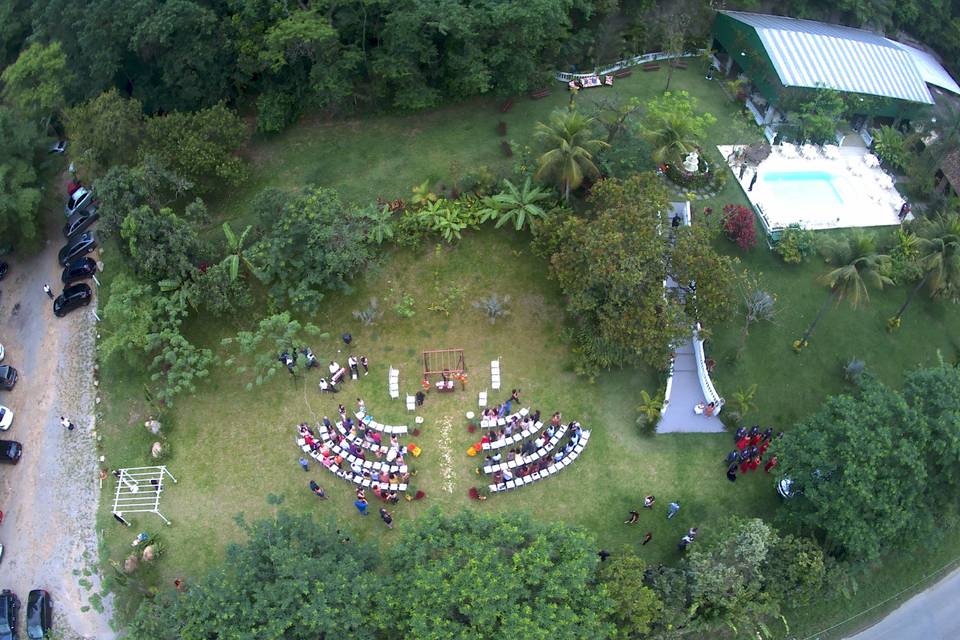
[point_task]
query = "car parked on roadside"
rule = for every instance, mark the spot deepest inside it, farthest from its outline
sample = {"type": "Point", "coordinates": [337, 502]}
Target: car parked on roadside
{"type": "Point", "coordinates": [79, 269]}
{"type": "Point", "coordinates": [9, 607]}
{"type": "Point", "coordinates": [2, 352]}
{"type": "Point", "coordinates": [73, 297]}
{"type": "Point", "coordinates": [39, 614]}
{"type": "Point", "coordinates": [58, 147]}
{"type": "Point", "coordinates": [10, 451]}
{"type": "Point", "coordinates": [4, 267]}
{"type": "Point", "coordinates": [8, 377]}
{"type": "Point", "coordinates": [81, 246]}
{"type": "Point", "coordinates": [6, 417]}
{"type": "Point", "coordinates": [78, 222]}
{"type": "Point", "coordinates": [78, 200]}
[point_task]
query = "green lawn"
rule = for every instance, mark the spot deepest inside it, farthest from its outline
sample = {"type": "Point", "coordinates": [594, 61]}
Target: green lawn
{"type": "Point", "coordinates": [233, 451]}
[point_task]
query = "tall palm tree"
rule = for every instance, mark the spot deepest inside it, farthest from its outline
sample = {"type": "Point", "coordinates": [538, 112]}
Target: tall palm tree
{"type": "Point", "coordinates": [938, 245]}
{"type": "Point", "coordinates": [571, 145]}
{"type": "Point", "coordinates": [859, 268]}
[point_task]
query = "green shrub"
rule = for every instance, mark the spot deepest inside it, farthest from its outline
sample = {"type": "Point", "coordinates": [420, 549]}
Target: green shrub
{"type": "Point", "coordinates": [890, 146]}
{"type": "Point", "coordinates": [276, 111]}
{"type": "Point", "coordinates": [796, 244]}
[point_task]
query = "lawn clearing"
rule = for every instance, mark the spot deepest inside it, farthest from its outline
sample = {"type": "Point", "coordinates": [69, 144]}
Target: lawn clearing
{"type": "Point", "coordinates": [234, 452]}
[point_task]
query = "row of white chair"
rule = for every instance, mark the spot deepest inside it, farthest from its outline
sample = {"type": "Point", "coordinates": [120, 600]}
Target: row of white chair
{"type": "Point", "coordinates": [373, 465]}
{"type": "Point", "coordinates": [368, 421]}
{"type": "Point", "coordinates": [566, 461]}
{"type": "Point", "coordinates": [502, 422]}
{"type": "Point", "coordinates": [347, 474]}
{"type": "Point", "coordinates": [512, 439]}
{"type": "Point", "coordinates": [533, 457]}
{"type": "Point", "coordinates": [361, 441]}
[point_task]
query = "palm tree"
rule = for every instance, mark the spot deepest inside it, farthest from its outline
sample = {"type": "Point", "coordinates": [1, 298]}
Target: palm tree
{"type": "Point", "coordinates": [649, 408]}
{"type": "Point", "coordinates": [513, 204]}
{"type": "Point", "coordinates": [672, 135]}
{"type": "Point", "coordinates": [938, 246]}
{"type": "Point", "coordinates": [859, 269]}
{"type": "Point", "coordinates": [237, 256]}
{"type": "Point", "coordinates": [569, 158]}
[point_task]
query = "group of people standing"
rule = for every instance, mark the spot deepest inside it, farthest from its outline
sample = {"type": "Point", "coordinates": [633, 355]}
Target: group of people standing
{"type": "Point", "coordinates": [751, 446]}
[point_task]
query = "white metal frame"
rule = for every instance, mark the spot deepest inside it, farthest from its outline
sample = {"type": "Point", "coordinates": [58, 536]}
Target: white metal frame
{"type": "Point", "coordinates": [137, 493]}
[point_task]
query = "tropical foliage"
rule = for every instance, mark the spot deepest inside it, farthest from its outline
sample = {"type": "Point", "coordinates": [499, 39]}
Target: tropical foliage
{"type": "Point", "coordinates": [570, 147]}
{"type": "Point", "coordinates": [673, 127]}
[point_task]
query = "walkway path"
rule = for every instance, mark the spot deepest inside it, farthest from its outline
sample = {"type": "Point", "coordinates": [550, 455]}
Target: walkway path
{"type": "Point", "coordinates": [684, 389]}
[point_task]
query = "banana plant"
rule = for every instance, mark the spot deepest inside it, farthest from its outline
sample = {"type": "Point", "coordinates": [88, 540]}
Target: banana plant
{"type": "Point", "coordinates": [238, 256]}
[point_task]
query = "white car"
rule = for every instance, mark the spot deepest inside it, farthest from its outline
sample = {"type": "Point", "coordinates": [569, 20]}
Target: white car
{"type": "Point", "coordinates": [2, 352]}
{"type": "Point", "coordinates": [6, 418]}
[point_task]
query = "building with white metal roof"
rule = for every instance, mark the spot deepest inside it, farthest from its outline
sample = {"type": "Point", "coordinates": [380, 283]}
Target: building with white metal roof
{"type": "Point", "coordinates": [781, 54]}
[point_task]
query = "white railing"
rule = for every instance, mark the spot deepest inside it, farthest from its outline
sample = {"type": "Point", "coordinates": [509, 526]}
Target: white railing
{"type": "Point", "coordinates": [706, 384]}
{"type": "Point", "coordinates": [643, 58]}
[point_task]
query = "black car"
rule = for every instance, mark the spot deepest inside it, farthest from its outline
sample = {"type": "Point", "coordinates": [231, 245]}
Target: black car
{"type": "Point", "coordinates": [81, 246]}
{"type": "Point", "coordinates": [10, 451]}
{"type": "Point", "coordinates": [79, 269]}
{"type": "Point", "coordinates": [8, 377]}
{"type": "Point", "coordinates": [4, 267]}
{"type": "Point", "coordinates": [39, 614]}
{"type": "Point", "coordinates": [9, 606]}
{"type": "Point", "coordinates": [74, 296]}
{"type": "Point", "coordinates": [78, 222]}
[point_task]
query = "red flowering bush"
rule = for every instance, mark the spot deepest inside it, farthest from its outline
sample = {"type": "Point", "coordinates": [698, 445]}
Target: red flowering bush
{"type": "Point", "coordinates": [420, 495]}
{"type": "Point", "coordinates": [739, 226]}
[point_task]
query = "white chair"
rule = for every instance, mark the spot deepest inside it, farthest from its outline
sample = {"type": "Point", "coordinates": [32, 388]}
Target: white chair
{"type": "Point", "coordinates": [394, 382]}
{"type": "Point", "coordinates": [495, 374]}
{"type": "Point", "coordinates": [411, 403]}
{"type": "Point", "coordinates": [482, 400]}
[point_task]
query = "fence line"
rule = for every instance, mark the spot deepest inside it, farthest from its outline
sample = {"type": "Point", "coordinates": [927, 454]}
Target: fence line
{"type": "Point", "coordinates": [643, 58]}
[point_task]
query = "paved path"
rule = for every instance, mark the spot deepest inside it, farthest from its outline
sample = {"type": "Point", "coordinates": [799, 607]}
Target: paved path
{"type": "Point", "coordinates": [50, 498]}
{"type": "Point", "coordinates": [933, 614]}
{"type": "Point", "coordinates": [685, 389]}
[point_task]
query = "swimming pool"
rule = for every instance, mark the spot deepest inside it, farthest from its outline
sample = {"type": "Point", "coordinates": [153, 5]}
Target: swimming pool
{"type": "Point", "coordinates": [802, 188]}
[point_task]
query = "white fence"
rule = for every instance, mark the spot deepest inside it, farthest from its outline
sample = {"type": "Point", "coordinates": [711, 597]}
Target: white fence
{"type": "Point", "coordinates": [706, 384]}
{"type": "Point", "coordinates": [643, 58]}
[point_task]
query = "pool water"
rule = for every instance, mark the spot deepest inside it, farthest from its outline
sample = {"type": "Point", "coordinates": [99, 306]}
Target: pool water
{"type": "Point", "coordinates": [799, 188]}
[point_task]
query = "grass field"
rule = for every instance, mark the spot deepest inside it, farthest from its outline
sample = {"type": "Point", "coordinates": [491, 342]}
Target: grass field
{"type": "Point", "coordinates": [233, 451]}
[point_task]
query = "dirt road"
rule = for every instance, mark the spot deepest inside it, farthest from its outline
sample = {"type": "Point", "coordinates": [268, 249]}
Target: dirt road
{"type": "Point", "coordinates": [50, 498]}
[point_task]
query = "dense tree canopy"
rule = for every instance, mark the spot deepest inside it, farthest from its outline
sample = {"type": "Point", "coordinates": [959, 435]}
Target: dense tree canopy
{"type": "Point", "coordinates": [312, 244]}
{"type": "Point", "coordinates": [104, 131]}
{"type": "Point", "coordinates": [473, 576]}
{"type": "Point", "coordinates": [293, 579]}
{"type": "Point", "coordinates": [875, 467]}
{"type": "Point", "coordinates": [19, 189]}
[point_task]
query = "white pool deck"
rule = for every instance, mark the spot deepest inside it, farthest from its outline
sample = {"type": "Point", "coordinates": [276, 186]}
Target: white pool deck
{"type": "Point", "coordinates": [867, 194]}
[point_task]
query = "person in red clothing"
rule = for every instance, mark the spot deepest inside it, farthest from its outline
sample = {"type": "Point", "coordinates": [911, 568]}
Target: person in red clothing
{"type": "Point", "coordinates": [754, 463]}
{"type": "Point", "coordinates": [743, 442]}
{"type": "Point", "coordinates": [770, 464]}
{"type": "Point", "coordinates": [744, 466]}
{"type": "Point", "coordinates": [764, 447]}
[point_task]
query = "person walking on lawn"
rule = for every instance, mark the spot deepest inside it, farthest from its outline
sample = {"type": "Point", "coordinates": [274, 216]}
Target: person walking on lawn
{"type": "Point", "coordinates": [386, 517]}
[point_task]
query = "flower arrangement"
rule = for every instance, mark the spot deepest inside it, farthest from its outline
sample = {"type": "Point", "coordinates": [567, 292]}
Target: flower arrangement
{"type": "Point", "coordinates": [471, 427]}
{"type": "Point", "coordinates": [419, 495]}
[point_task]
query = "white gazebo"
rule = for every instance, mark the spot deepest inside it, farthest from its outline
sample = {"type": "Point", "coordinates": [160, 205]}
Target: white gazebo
{"type": "Point", "coordinates": [138, 491]}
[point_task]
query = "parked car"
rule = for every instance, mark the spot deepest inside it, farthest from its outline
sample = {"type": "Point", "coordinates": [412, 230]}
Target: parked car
{"type": "Point", "coordinates": [81, 246]}
{"type": "Point", "coordinates": [78, 200]}
{"type": "Point", "coordinates": [79, 269]}
{"type": "Point", "coordinates": [6, 417]}
{"type": "Point", "coordinates": [58, 147]}
{"type": "Point", "coordinates": [73, 297]}
{"type": "Point", "coordinates": [8, 377]}
{"type": "Point", "coordinates": [78, 222]}
{"type": "Point", "coordinates": [39, 614]}
{"type": "Point", "coordinates": [2, 352]}
{"type": "Point", "coordinates": [4, 267]}
{"type": "Point", "coordinates": [9, 607]}
{"type": "Point", "coordinates": [10, 451]}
